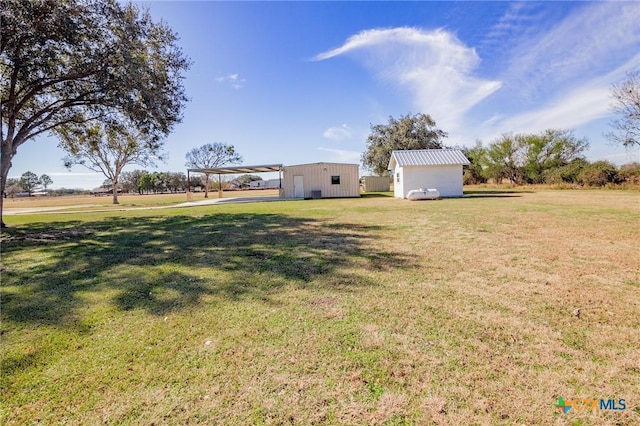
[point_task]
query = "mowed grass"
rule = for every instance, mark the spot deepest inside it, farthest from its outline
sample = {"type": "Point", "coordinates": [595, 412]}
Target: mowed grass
{"type": "Point", "coordinates": [353, 311]}
{"type": "Point", "coordinates": [75, 203]}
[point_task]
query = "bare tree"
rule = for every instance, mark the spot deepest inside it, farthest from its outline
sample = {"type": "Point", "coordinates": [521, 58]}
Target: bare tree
{"type": "Point", "coordinates": [626, 106]}
{"type": "Point", "coordinates": [210, 156]}
{"type": "Point", "coordinates": [45, 181]}
{"type": "Point", "coordinates": [107, 148]}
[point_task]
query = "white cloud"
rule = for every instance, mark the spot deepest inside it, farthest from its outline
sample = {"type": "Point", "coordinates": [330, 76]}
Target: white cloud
{"type": "Point", "coordinates": [585, 44]}
{"type": "Point", "coordinates": [568, 109]}
{"type": "Point", "coordinates": [338, 134]}
{"type": "Point", "coordinates": [234, 80]}
{"type": "Point", "coordinates": [516, 20]}
{"type": "Point", "coordinates": [435, 67]}
{"type": "Point", "coordinates": [343, 156]}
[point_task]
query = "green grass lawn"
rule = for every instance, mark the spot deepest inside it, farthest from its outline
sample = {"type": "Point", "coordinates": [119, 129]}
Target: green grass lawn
{"type": "Point", "coordinates": [480, 310]}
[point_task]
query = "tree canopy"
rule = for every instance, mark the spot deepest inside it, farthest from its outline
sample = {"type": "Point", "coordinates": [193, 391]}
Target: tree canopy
{"type": "Point", "coordinates": [409, 132]}
{"type": "Point", "coordinates": [626, 106]}
{"type": "Point", "coordinates": [525, 158]}
{"type": "Point", "coordinates": [45, 181]}
{"type": "Point", "coordinates": [107, 148]}
{"type": "Point", "coordinates": [77, 61]}
{"type": "Point", "coordinates": [29, 182]}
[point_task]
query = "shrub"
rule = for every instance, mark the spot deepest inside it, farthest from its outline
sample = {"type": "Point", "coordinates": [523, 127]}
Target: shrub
{"type": "Point", "coordinates": [630, 173]}
{"type": "Point", "coordinates": [598, 173]}
{"type": "Point", "coordinates": [565, 174]}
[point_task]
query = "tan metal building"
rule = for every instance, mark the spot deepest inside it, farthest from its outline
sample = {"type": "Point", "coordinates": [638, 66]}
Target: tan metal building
{"type": "Point", "coordinates": [321, 180]}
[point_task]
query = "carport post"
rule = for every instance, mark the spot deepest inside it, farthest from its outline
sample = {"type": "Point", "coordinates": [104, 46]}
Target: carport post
{"type": "Point", "coordinates": [219, 185]}
{"type": "Point", "coordinates": [189, 195]}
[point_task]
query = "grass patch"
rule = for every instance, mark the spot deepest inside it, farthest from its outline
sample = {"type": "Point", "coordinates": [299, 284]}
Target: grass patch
{"type": "Point", "coordinates": [354, 311]}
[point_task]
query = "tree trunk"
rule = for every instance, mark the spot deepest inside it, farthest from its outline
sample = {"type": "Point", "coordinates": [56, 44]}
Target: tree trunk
{"type": "Point", "coordinates": [5, 164]}
{"type": "Point", "coordinates": [115, 196]}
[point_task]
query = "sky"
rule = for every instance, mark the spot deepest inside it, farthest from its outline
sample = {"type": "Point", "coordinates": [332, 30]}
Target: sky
{"type": "Point", "coordinates": [302, 82]}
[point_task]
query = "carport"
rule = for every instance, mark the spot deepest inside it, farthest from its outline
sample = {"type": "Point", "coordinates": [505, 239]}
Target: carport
{"type": "Point", "coordinates": [234, 171]}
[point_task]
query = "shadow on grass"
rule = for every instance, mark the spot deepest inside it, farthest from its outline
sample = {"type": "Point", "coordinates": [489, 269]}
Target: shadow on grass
{"type": "Point", "coordinates": [163, 264]}
{"type": "Point", "coordinates": [376, 195]}
{"type": "Point", "coordinates": [496, 193]}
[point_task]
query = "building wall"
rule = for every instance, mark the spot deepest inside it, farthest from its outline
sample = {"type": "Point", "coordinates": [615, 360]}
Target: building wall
{"type": "Point", "coordinates": [317, 177]}
{"type": "Point", "coordinates": [376, 183]}
{"type": "Point", "coordinates": [446, 179]}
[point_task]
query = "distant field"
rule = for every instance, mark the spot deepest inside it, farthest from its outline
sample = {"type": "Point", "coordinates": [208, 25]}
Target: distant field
{"type": "Point", "coordinates": [479, 310]}
{"type": "Point", "coordinates": [89, 202]}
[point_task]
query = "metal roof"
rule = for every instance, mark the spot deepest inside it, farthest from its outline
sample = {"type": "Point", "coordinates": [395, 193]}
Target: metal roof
{"type": "Point", "coordinates": [427, 157]}
{"type": "Point", "coordinates": [240, 169]}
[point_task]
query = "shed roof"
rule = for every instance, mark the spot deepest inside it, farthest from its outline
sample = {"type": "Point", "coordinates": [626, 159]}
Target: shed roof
{"type": "Point", "coordinates": [427, 157]}
{"type": "Point", "coordinates": [322, 163]}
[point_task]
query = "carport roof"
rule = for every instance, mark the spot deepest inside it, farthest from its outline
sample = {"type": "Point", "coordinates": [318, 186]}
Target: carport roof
{"type": "Point", "coordinates": [240, 169]}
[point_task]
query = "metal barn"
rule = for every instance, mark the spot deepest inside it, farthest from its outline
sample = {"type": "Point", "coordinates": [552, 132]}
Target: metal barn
{"type": "Point", "coordinates": [440, 169]}
{"type": "Point", "coordinates": [321, 180]}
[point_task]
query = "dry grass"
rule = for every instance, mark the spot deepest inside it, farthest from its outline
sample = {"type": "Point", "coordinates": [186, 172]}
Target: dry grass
{"type": "Point", "coordinates": [370, 311]}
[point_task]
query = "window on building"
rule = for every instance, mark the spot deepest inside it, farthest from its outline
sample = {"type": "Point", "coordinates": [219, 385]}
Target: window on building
{"type": "Point", "coordinates": [335, 180]}
{"type": "Point", "coordinates": [398, 177]}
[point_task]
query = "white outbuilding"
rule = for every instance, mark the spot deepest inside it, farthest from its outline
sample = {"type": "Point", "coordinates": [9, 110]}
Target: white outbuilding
{"type": "Point", "coordinates": [439, 169]}
{"type": "Point", "coordinates": [321, 180]}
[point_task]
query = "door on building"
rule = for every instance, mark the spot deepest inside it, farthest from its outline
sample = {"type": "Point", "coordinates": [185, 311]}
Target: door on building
{"type": "Point", "coordinates": [298, 186]}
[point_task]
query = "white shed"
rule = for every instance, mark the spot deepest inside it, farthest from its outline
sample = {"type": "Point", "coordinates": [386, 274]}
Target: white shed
{"type": "Point", "coordinates": [427, 168]}
{"type": "Point", "coordinates": [321, 180]}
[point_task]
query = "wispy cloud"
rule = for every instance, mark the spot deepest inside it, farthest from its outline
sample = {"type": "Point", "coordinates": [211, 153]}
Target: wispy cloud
{"type": "Point", "coordinates": [234, 80]}
{"type": "Point", "coordinates": [338, 134]}
{"type": "Point", "coordinates": [586, 43]}
{"type": "Point", "coordinates": [516, 22]}
{"type": "Point", "coordinates": [435, 67]}
{"type": "Point", "coordinates": [343, 156]}
{"type": "Point", "coordinates": [570, 108]}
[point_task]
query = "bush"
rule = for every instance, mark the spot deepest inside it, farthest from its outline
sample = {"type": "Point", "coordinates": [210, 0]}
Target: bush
{"type": "Point", "coordinates": [630, 173]}
{"type": "Point", "coordinates": [471, 177]}
{"type": "Point", "coordinates": [599, 173]}
{"type": "Point", "coordinates": [565, 174]}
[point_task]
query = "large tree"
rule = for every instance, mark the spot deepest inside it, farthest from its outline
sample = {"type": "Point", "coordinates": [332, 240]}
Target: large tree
{"type": "Point", "coordinates": [107, 148]}
{"type": "Point", "coordinates": [210, 156]}
{"type": "Point", "coordinates": [45, 181]}
{"type": "Point", "coordinates": [530, 157]}
{"type": "Point", "coordinates": [626, 106]}
{"type": "Point", "coordinates": [409, 132]}
{"type": "Point", "coordinates": [548, 150]}
{"type": "Point", "coordinates": [29, 182]}
{"type": "Point", "coordinates": [503, 159]}
{"type": "Point", "coordinates": [77, 61]}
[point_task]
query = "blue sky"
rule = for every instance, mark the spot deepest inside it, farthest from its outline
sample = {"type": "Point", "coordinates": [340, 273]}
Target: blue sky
{"type": "Point", "coordinates": [301, 82]}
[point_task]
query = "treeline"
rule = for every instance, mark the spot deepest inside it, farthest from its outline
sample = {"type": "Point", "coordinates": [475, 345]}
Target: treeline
{"type": "Point", "coordinates": [142, 181]}
{"type": "Point", "coordinates": [145, 182]}
{"type": "Point", "coordinates": [550, 157]}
